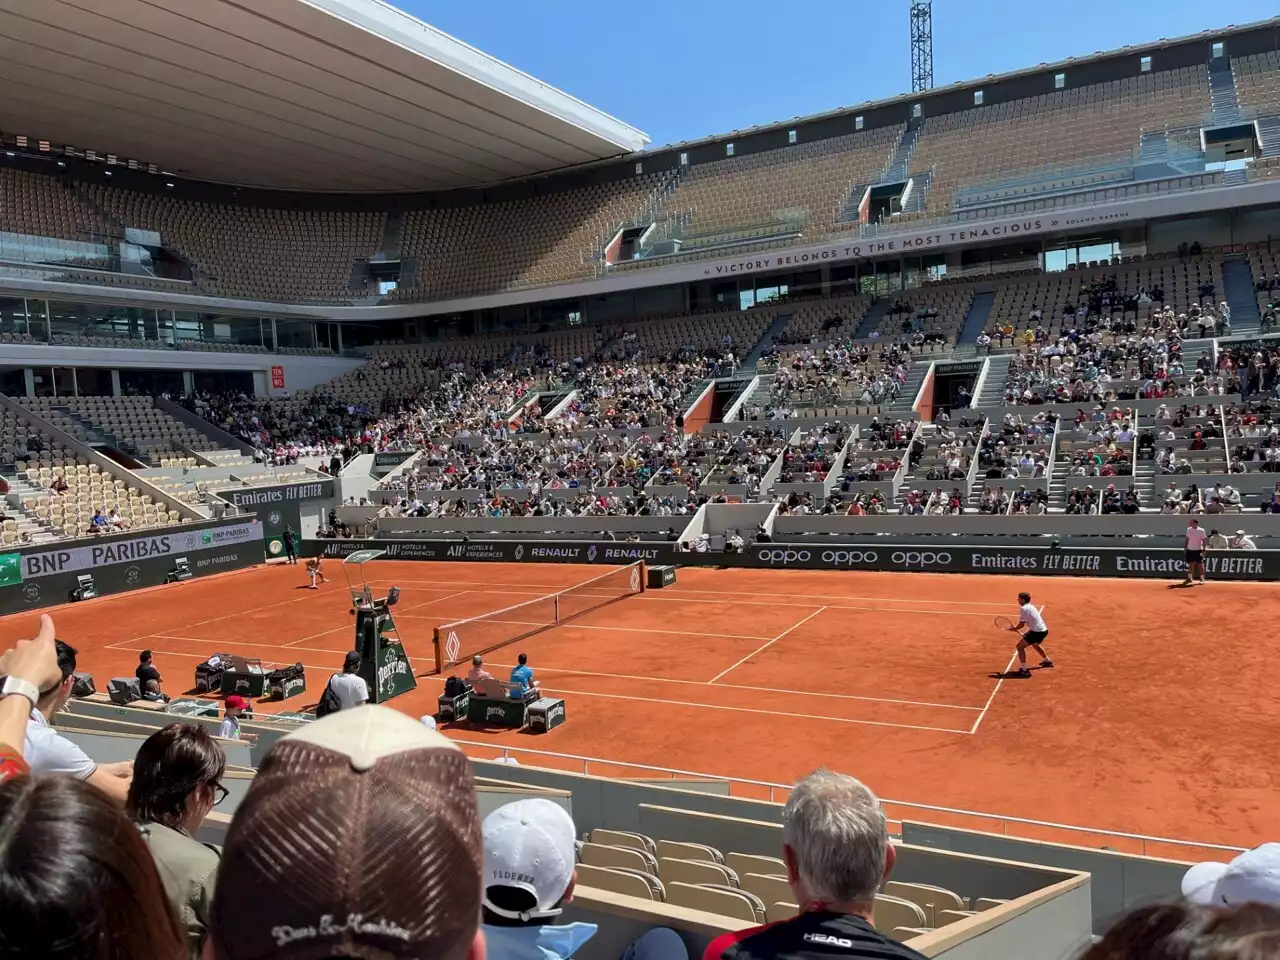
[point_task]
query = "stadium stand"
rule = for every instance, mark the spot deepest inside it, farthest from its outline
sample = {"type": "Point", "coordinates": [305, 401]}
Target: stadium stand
{"type": "Point", "coordinates": [1035, 137]}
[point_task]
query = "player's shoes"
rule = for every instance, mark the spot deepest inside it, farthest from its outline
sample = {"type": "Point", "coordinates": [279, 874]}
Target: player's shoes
{"type": "Point", "coordinates": [1023, 672]}
{"type": "Point", "coordinates": [1203, 581]}
{"type": "Point", "coordinates": [1046, 664]}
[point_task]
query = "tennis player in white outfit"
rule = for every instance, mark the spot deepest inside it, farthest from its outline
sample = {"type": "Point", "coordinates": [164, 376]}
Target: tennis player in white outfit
{"type": "Point", "coordinates": [1030, 621]}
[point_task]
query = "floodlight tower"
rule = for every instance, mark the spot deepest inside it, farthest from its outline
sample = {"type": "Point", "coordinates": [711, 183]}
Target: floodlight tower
{"type": "Point", "coordinates": [921, 45]}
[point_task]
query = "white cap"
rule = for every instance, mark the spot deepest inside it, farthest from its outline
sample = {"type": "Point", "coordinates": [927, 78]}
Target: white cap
{"type": "Point", "coordinates": [1252, 877]}
{"type": "Point", "coordinates": [529, 845]}
{"type": "Point", "coordinates": [429, 721]}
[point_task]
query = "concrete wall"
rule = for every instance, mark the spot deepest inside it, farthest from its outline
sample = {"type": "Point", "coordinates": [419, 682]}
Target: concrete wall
{"type": "Point", "coordinates": [300, 372]}
{"type": "Point", "coordinates": [1120, 881]}
{"type": "Point", "coordinates": [566, 527]}
{"type": "Point", "coordinates": [356, 479]}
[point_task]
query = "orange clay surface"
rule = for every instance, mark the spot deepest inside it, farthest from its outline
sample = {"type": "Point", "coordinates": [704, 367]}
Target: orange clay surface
{"type": "Point", "coordinates": [1161, 717]}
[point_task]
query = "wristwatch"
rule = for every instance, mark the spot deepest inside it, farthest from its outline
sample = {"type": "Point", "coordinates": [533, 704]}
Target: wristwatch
{"type": "Point", "coordinates": [20, 687]}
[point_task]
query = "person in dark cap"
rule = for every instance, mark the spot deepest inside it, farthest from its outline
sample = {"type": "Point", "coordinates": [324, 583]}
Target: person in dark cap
{"type": "Point", "coordinates": [350, 687]}
{"type": "Point", "coordinates": [358, 838]}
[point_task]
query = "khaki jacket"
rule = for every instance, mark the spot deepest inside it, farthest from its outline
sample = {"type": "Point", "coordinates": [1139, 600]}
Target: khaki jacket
{"type": "Point", "coordinates": [187, 869]}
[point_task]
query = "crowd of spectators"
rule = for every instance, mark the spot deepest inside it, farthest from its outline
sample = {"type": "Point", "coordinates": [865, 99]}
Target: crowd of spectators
{"type": "Point", "coordinates": [1252, 367]}
{"type": "Point", "coordinates": [840, 373]}
{"type": "Point", "coordinates": [811, 456]}
{"type": "Point", "coordinates": [624, 395]}
{"type": "Point", "coordinates": [1018, 448]}
{"type": "Point", "coordinates": [1101, 368]}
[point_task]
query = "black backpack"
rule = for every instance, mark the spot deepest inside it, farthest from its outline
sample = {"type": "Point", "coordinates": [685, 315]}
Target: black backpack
{"type": "Point", "coordinates": [329, 702]}
{"type": "Point", "coordinates": [455, 687]}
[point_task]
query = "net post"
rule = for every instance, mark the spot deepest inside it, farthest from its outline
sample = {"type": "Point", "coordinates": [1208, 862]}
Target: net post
{"type": "Point", "coordinates": [644, 576]}
{"type": "Point", "coordinates": [556, 604]}
{"type": "Point", "coordinates": [438, 650]}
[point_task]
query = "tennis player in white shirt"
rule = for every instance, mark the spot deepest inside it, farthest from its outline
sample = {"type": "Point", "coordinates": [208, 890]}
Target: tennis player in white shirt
{"type": "Point", "coordinates": [1195, 541]}
{"type": "Point", "coordinates": [1030, 620]}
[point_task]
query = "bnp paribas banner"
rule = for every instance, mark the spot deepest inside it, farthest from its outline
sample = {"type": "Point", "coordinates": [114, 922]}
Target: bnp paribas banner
{"type": "Point", "coordinates": [18, 568]}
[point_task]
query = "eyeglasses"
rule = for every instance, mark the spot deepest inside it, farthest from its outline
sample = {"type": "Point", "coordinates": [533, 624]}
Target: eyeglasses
{"type": "Point", "coordinates": [220, 793]}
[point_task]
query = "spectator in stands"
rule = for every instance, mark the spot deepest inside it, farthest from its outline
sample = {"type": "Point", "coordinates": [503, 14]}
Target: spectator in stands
{"type": "Point", "coordinates": [115, 521]}
{"type": "Point", "coordinates": [349, 686]}
{"type": "Point", "coordinates": [984, 342]}
{"type": "Point", "coordinates": [76, 879]}
{"type": "Point", "coordinates": [28, 667]}
{"type": "Point", "coordinates": [1252, 877]}
{"type": "Point", "coordinates": [47, 751]}
{"type": "Point", "coordinates": [1216, 541]}
{"type": "Point", "coordinates": [528, 877]}
{"type": "Point", "coordinates": [522, 674]}
{"type": "Point", "coordinates": [149, 678]}
{"type": "Point", "coordinates": [1178, 931]}
{"type": "Point", "coordinates": [477, 675]}
{"type": "Point", "coordinates": [1242, 541]}
{"type": "Point", "coordinates": [59, 485]}
{"type": "Point", "coordinates": [177, 781]}
{"type": "Point", "coordinates": [837, 851]}
{"type": "Point", "coordinates": [233, 708]}
{"type": "Point", "coordinates": [359, 837]}
{"type": "Point", "coordinates": [98, 524]}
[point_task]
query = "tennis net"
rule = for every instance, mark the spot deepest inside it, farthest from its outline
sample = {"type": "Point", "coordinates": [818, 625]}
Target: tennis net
{"type": "Point", "coordinates": [461, 640]}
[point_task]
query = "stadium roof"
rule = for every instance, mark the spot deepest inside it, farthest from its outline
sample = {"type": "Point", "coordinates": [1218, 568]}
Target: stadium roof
{"type": "Point", "coordinates": [325, 95]}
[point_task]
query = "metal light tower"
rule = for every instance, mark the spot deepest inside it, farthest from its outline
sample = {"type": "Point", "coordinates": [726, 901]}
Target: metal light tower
{"type": "Point", "coordinates": [921, 45]}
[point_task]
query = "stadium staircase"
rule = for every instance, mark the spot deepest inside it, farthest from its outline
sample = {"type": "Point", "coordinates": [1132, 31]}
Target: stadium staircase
{"type": "Point", "coordinates": [1237, 287]}
{"type": "Point", "coordinates": [1153, 148]}
{"type": "Point", "coordinates": [975, 321]}
{"type": "Point", "coordinates": [780, 323]}
{"type": "Point", "coordinates": [1222, 93]}
{"type": "Point", "coordinates": [1144, 485]}
{"type": "Point", "coordinates": [914, 480]}
{"type": "Point", "coordinates": [872, 319]}
{"type": "Point", "coordinates": [919, 192]}
{"type": "Point", "coordinates": [1059, 478]}
{"type": "Point", "coordinates": [992, 393]}
{"type": "Point", "coordinates": [901, 162]}
{"type": "Point", "coordinates": [901, 409]}
{"type": "Point", "coordinates": [1269, 135]}
{"type": "Point", "coordinates": [21, 489]}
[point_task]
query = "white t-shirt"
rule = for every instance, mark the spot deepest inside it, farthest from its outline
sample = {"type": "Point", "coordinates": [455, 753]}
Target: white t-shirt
{"type": "Point", "coordinates": [1031, 617]}
{"type": "Point", "coordinates": [229, 730]}
{"type": "Point", "coordinates": [47, 751]}
{"type": "Point", "coordinates": [351, 689]}
{"type": "Point", "coordinates": [1196, 538]}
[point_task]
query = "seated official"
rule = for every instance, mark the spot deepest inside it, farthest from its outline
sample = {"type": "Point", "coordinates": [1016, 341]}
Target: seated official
{"type": "Point", "coordinates": [149, 678]}
{"type": "Point", "coordinates": [477, 675]}
{"type": "Point", "coordinates": [522, 674]}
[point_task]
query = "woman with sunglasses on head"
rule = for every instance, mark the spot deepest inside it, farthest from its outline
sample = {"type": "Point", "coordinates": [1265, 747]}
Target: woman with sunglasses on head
{"type": "Point", "coordinates": [177, 778]}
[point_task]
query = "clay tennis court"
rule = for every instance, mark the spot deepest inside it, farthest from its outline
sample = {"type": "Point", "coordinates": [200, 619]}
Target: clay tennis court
{"type": "Point", "coordinates": [1160, 718]}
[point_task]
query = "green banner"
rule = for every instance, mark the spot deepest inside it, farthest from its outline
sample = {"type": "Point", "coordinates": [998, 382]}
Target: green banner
{"type": "Point", "coordinates": [10, 569]}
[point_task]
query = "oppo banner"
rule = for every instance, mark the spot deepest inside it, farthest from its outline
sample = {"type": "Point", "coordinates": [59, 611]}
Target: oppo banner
{"type": "Point", "coordinates": [1153, 562]}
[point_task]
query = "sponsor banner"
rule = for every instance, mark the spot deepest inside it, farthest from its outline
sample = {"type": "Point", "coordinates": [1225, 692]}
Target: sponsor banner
{"type": "Point", "coordinates": [277, 378]}
{"type": "Point", "coordinates": [1158, 562]}
{"type": "Point", "coordinates": [1155, 562]}
{"type": "Point", "coordinates": [93, 555]}
{"type": "Point", "coordinates": [123, 576]}
{"type": "Point", "coordinates": [503, 551]}
{"type": "Point", "coordinates": [255, 498]}
{"type": "Point", "coordinates": [386, 462]}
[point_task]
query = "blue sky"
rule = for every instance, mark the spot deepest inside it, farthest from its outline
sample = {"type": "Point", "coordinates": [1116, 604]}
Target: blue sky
{"type": "Point", "coordinates": [694, 68]}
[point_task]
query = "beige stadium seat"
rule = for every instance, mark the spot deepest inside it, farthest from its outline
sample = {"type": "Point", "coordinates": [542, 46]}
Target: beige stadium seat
{"type": "Point", "coordinates": [777, 912]}
{"type": "Point", "coordinates": [695, 871]}
{"type": "Point", "coordinates": [620, 838]}
{"type": "Point", "coordinates": [633, 883]}
{"type": "Point", "coordinates": [723, 902]}
{"type": "Point", "coordinates": [599, 855]}
{"type": "Point", "coordinates": [754, 863]}
{"type": "Point", "coordinates": [688, 851]}
{"type": "Point", "coordinates": [929, 899]}
{"type": "Point", "coordinates": [893, 912]}
{"type": "Point", "coordinates": [904, 934]}
{"type": "Point", "coordinates": [767, 888]}
{"type": "Point", "coordinates": [987, 903]}
{"type": "Point", "coordinates": [946, 917]}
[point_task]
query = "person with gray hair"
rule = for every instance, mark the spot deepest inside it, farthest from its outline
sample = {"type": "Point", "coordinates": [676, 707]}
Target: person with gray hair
{"type": "Point", "coordinates": [835, 843]}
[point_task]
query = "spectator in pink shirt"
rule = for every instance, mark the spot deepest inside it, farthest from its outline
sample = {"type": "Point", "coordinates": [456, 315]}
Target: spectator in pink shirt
{"type": "Point", "coordinates": [477, 674]}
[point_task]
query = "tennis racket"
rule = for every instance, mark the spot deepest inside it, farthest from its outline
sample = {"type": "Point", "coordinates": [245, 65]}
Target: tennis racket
{"type": "Point", "coordinates": [1004, 623]}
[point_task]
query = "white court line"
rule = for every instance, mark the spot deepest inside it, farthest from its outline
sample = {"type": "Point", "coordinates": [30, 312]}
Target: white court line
{"type": "Point", "coordinates": [498, 588]}
{"type": "Point", "coordinates": [577, 626]}
{"type": "Point", "coordinates": [830, 606]}
{"type": "Point", "coordinates": [767, 645]}
{"type": "Point", "coordinates": [992, 699]}
{"type": "Point", "coordinates": [617, 696]}
{"type": "Point", "coordinates": [304, 639]}
{"type": "Point", "coordinates": [767, 713]}
{"type": "Point", "coordinates": [741, 686]}
{"type": "Point", "coordinates": [836, 596]}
